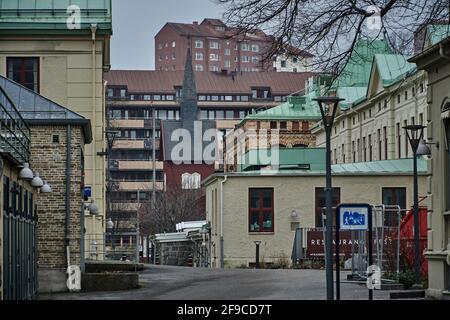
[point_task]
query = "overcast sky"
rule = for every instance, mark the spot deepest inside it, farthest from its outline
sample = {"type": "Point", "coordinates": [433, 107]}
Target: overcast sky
{"type": "Point", "coordinates": [136, 22]}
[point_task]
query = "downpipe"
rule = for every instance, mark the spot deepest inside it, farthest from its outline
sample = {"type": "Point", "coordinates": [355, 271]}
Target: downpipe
{"type": "Point", "coordinates": [222, 256]}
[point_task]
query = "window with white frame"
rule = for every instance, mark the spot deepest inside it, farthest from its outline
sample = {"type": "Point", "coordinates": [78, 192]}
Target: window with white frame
{"type": "Point", "coordinates": [245, 59]}
{"type": "Point", "coordinates": [199, 56]}
{"type": "Point", "coordinates": [255, 59]}
{"type": "Point", "coordinates": [245, 47]}
{"type": "Point", "coordinates": [227, 64]}
{"type": "Point", "coordinates": [255, 48]}
{"type": "Point", "coordinates": [214, 57]}
{"type": "Point", "coordinates": [199, 44]}
{"type": "Point", "coordinates": [214, 45]}
{"type": "Point", "coordinates": [198, 67]}
{"type": "Point", "coordinates": [214, 68]}
{"type": "Point", "coordinates": [227, 52]}
{"type": "Point", "coordinates": [173, 44]}
{"type": "Point", "coordinates": [190, 181]}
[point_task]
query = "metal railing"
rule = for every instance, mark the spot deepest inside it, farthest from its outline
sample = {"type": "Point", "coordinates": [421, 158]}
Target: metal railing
{"type": "Point", "coordinates": [14, 132]}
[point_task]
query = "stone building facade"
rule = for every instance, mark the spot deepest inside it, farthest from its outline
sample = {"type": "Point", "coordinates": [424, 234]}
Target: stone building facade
{"type": "Point", "coordinates": [49, 159]}
{"type": "Point", "coordinates": [435, 61]}
{"type": "Point", "coordinates": [57, 151]}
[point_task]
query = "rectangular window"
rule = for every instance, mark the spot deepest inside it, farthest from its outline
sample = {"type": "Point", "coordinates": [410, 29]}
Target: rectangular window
{"type": "Point", "coordinates": [399, 141]}
{"type": "Point", "coordinates": [394, 197]}
{"type": "Point", "coordinates": [295, 126]}
{"type": "Point", "coordinates": [255, 48]}
{"type": "Point", "coordinates": [261, 210]}
{"type": "Point", "coordinates": [283, 125]}
{"type": "Point", "coordinates": [199, 56]}
{"type": "Point", "coordinates": [214, 57]}
{"type": "Point", "coordinates": [110, 93]}
{"type": "Point", "coordinates": [198, 67]}
{"type": "Point", "coordinates": [305, 125]}
{"type": "Point", "coordinates": [24, 71]}
{"type": "Point", "coordinates": [214, 45]}
{"type": "Point", "coordinates": [321, 205]}
{"type": "Point", "coordinates": [227, 52]}
{"type": "Point", "coordinates": [385, 143]}
{"type": "Point", "coordinates": [229, 114]}
{"type": "Point", "coordinates": [227, 64]}
{"type": "Point", "coordinates": [405, 123]}
{"type": "Point", "coordinates": [199, 44]}
{"type": "Point", "coordinates": [245, 59]}
{"type": "Point", "coordinates": [255, 59]}
{"type": "Point", "coordinates": [245, 47]}
{"type": "Point", "coordinates": [273, 125]}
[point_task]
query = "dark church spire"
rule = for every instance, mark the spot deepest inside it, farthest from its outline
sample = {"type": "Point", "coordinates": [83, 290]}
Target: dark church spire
{"type": "Point", "coordinates": [189, 108]}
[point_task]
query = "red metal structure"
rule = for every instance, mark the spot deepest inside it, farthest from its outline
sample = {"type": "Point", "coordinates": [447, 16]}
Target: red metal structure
{"type": "Point", "coordinates": [407, 237]}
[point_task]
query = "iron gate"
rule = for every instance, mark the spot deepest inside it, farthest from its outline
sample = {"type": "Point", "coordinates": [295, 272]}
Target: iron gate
{"type": "Point", "coordinates": [20, 281]}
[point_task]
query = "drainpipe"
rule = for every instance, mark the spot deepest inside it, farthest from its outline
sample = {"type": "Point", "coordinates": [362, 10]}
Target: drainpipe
{"type": "Point", "coordinates": [221, 222]}
{"type": "Point", "coordinates": [94, 109]}
{"type": "Point", "coordinates": [68, 195]}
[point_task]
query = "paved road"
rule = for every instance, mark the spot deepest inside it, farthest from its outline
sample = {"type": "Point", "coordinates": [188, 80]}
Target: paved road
{"type": "Point", "coordinates": [175, 283]}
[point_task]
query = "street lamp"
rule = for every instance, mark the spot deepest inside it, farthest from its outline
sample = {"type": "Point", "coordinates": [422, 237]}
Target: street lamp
{"type": "Point", "coordinates": [328, 110]}
{"type": "Point", "coordinates": [415, 137]}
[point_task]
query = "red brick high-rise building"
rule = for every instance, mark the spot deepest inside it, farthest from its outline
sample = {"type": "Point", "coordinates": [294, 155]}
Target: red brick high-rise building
{"type": "Point", "coordinates": [217, 47]}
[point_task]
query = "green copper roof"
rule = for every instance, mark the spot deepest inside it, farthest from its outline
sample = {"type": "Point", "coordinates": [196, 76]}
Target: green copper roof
{"type": "Point", "coordinates": [436, 33]}
{"type": "Point", "coordinates": [357, 71]}
{"type": "Point", "coordinates": [285, 158]}
{"type": "Point", "coordinates": [352, 95]}
{"type": "Point", "coordinates": [297, 108]}
{"type": "Point", "coordinates": [51, 16]}
{"type": "Point", "coordinates": [393, 68]}
{"type": "Point", "coordinates": [385, 166]}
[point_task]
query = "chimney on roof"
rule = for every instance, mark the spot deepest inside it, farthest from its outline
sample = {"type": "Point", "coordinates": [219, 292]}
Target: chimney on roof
{"type": "Point", "coordinates": [195, 23]}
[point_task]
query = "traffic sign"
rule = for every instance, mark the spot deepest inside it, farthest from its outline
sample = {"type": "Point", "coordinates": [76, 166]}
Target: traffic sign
{"type": "Point", "coordinates": [354, 217]}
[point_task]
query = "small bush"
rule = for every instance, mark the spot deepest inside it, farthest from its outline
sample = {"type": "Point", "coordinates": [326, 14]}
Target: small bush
{"type": "Point", "coordinates": [407, 278]}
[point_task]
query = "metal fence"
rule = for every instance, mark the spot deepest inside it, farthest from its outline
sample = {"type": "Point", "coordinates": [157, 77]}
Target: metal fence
{"type": "Point", "coordinates": [20, 281]}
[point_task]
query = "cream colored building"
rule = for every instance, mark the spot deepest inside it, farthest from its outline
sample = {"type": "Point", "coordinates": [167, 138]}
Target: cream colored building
{"type": "Point", "coordinates": [371, 120]}
{"type": "Point", "coordinates": [229, 211]}
{"type": "Point", "coordinates": [68, 66]}
{"type": "Point", "coordinates": [436, 61]}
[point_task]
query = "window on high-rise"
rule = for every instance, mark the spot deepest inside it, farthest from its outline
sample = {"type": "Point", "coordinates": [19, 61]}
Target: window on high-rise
{"type": "Point", "coordinates": [199, 44]}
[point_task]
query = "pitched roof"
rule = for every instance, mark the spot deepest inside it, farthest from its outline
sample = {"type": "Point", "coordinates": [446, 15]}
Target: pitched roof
{"type": "Point", "coordinates": [140, 82]}
{"type": "Point", "coordinates": [393, 68]}
{"type": "Point", "coordinates": [436, 33]}
{"type": "Point", "coordinates": [357, 71]}
{"type": "Point", "coordinates": [297, 108]}
{"type": "Point", "coordinates": [38, 110]}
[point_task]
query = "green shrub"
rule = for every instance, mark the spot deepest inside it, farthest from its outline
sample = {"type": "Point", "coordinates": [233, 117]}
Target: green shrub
{"type": "Point", "coordinates": [407, 278]}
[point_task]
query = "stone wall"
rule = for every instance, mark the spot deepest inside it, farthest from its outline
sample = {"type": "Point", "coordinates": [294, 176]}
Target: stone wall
{"type": "Point", "coordinates": [49, 160]}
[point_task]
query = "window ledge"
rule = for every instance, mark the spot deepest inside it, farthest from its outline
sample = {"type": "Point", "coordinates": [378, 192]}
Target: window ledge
{"type": "Point", "coordinates": [261, 233]}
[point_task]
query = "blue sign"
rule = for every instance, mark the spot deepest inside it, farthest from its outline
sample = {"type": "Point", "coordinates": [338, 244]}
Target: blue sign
{"type": "Point", "coordinates": [87, 192]}
{"type": "Point", "coordinates": [354, 218]}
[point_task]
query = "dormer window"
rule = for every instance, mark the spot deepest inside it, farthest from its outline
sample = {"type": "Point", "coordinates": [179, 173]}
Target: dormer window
{"type": "Point", "coordinates": [261, 93]}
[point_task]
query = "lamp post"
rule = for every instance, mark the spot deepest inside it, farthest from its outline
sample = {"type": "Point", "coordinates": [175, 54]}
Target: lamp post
{"type": "Point", "coordinates": [328, 110]}
{"type": "Point", "coordinates": [415, 137]}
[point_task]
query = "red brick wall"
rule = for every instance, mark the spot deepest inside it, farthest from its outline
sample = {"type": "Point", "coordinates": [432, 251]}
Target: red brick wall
{"type": "Point", "coordinates": [174, 172]}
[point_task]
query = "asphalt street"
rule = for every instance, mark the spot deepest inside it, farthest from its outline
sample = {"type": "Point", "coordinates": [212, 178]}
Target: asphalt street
{"type": "Point", "coordinates": [178, 283]}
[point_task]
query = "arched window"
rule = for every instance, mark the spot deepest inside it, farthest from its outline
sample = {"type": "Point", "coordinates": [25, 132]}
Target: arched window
{"type": "Point", "coordinates": [190, 181]}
